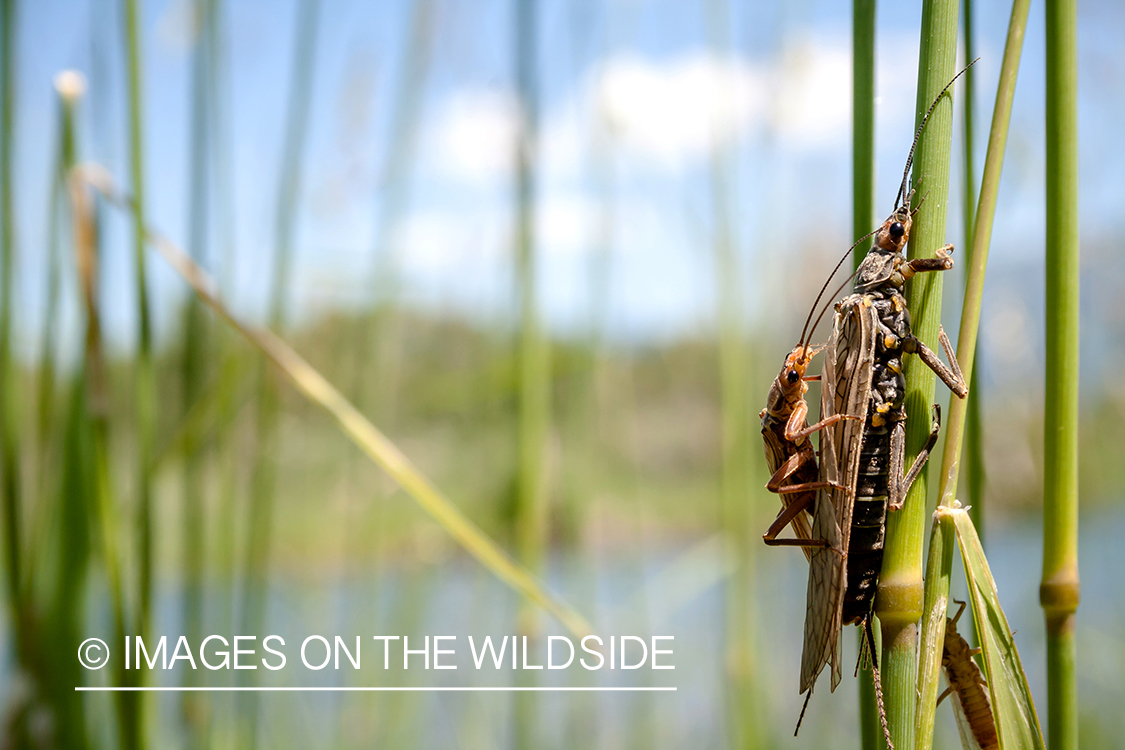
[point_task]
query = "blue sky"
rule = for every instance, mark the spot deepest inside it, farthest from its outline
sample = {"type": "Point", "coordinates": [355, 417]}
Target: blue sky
{"type": "Point", "coordinates": [633, 95]}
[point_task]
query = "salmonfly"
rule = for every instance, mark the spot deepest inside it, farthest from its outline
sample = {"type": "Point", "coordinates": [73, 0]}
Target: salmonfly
{"type": "Point", "coordinates": [864, 459]}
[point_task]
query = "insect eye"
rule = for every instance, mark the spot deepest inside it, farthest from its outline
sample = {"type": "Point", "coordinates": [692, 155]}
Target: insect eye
{"type": "Point", "coordinates": [792, 376]}
{"type": "Point", "coordinates": [897, 230]}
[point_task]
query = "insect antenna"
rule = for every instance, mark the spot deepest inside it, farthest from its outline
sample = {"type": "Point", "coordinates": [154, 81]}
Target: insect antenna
{"type": "Point", "coordinates": [828, 281]}
{"type": "Point", "coordinates": [828, 305]}
{"type": "Point", "coordinates": [918, 134]}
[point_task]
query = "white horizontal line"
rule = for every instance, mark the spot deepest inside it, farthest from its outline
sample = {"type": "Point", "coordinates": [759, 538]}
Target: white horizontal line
{"type": "Point", "coordinates": [503, 689]}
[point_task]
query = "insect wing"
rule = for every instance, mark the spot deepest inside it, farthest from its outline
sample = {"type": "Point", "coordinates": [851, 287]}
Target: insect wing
{"type": "Point", "coordinates": [827, 569]}
{"type": "Point", "coordinates": [826, 586]}
{"type": "Point", "coordinates": [853, 338]}
{"type": "Point", "coordinates": [846, 387]}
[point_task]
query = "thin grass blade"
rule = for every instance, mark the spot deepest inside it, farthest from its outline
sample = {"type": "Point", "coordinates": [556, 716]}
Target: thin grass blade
{"type": "Point", "coordinates": [1017, 722]}
{"type": "Point", "coordinates": [365, 435]}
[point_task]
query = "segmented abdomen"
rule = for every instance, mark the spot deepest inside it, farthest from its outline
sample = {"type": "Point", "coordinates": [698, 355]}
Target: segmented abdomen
{"type": "Point", "coordinates": [869, 518]}
{"type": "Point", "coordinates": [884, 410]}
{"type": "Point", "coordinates": [965, 678]}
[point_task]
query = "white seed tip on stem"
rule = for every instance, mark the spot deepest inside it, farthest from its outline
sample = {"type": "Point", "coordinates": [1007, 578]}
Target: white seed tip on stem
{"type": "Point", "coordinates": [70, 84]}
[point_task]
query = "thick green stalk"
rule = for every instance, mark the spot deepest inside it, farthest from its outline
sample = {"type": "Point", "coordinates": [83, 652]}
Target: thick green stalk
{"type": "Point", "coordinates": [145, 385]}
{"type": "Point", "coordinates": [974, 447]}
{"type": "Point", "coordinates": [929, 669]}
{"type": "Point", "coordinates": [1059, 591]}
{"type": "Point", "coordinates": [9, 442]}
{"type": "Point", "coordinates": [900, 598]}
{"type": "Point", "coordinates": [863, 217]}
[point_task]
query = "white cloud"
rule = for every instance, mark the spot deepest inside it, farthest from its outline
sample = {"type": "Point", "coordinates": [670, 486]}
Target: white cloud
{"type": "Point", "coordinates": [565, 223]}
{"type": "Point", "coordinates": [475, 134]}
{"type": "Point", "coordinates": [675, 111]}
{"type": "Point", "coordinates": [435, 241]}
{"type": "Point", "coordinates": [814, 101]}
{"type": "Point", "coordinates": [669, 113]}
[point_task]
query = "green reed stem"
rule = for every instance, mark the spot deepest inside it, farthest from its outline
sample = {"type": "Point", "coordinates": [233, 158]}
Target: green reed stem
{"type": "Point", "coordinates": [194, 357]}
{"type": "Point", "coordinates": [93, 440]}
{"type": "Point", "coordinates": [9, 435]}
{"type": "Point", "coordinates": [376, 371]}
{"type": "Point", "coordinates": [863, 218]}
{"type": "Point", "coordinates": [533, 354]}
{"type": "Point", "coordinates": [863, 122]}
{"type": "Point", "coordinates": [974, 446]}
{"type": "Point", "coordinates": [232, 377]}
{"type": "Point", "coordinates": [745, 711]}
{"type": "Point", "coordinates": [70, 87]}
{"type": "Point", "coordinates": [1059, 591]}
{"type": "Point", "coordinates": [145, 385]}
{"type": "Point", "coordinates": [939, 570]}
{"type": "Point", "coordinates": [900, 599]}
{"type": "Point", "coordinates": [264, 475]}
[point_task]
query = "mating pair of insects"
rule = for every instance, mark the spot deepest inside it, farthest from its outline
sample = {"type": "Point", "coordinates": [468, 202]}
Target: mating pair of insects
{"type": "Point", "coordinates": [837, 498]}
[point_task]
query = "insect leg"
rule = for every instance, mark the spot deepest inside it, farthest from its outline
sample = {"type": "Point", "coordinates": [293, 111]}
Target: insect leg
{"type": "Point", "coordinates": [944, 695]}
{"type": "Point", "coordinates": [822, 424]}
{"type": "Point", "coordinates": [790, 489]}
{"type": "Point", "coordinates": [960, 609]}
{"type": "Point", "coordinates": [786, 470]}
{"type": "Point", "coordinates": [899, 485]}
{"type": "Point", "coordinates": [951, 375]}
{"type": "Point", "coordinates": [895, 490]}
{"type": "Point", "coordinates": [784, 518]}
{"type": "Point", "coordinates": [940, 262]}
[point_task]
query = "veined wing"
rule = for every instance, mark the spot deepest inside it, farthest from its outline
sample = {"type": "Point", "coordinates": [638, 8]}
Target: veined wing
{"type": "Point", "coordinates": [824, 598]}
{"type": "Point", "coordinates": [854, 332]}
{"type": "Point", "coordinates": [826, 564]}
{"type": "Point", "coordinates": [846, 387]}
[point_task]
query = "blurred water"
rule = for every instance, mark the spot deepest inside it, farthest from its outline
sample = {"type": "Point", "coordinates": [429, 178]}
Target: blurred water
{"type": "Point", "coordinates": [678, 592]}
